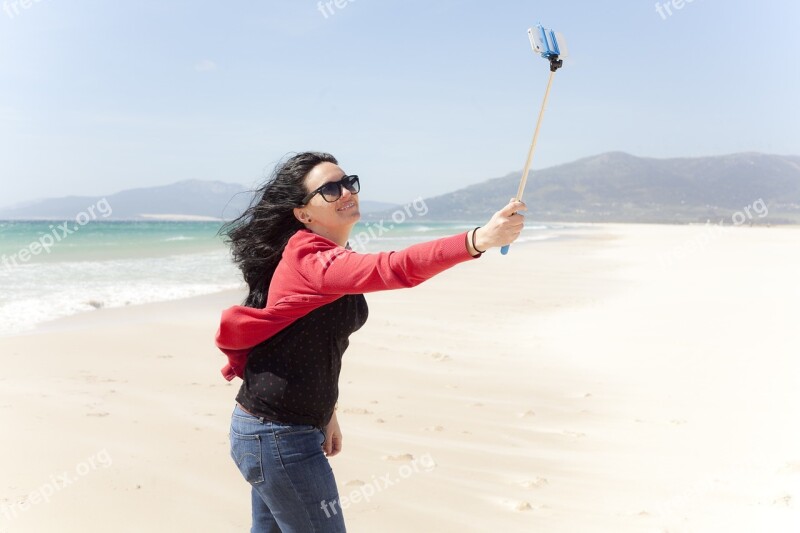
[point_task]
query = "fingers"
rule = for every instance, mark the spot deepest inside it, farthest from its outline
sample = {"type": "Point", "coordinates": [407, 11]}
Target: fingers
{"type": "Point", "coordinates": [332, 444]}
{"type": "Point", "coordinates": [514, 220]}
{"type": "Point", "coordinates": [326, 446]}
{"type": "Point", "coordinates": [512, 207]}
{"type": "Point", "coordinates": [332, 447]}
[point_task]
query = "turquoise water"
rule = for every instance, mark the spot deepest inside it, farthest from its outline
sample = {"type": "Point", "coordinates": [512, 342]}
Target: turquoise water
{"type": "Point", "coordinates": [48, 271]}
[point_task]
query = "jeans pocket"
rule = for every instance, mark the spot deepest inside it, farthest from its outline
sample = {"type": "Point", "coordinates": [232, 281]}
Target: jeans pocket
{"type": "Point", "coordinates": [246, 453]}
{"type": "Point", "coordinates": [294, 430]}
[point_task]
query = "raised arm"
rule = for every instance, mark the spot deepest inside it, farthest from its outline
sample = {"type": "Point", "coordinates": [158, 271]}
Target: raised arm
{"type": "Point", "coordinates": [331, 269]}
{"type": "Point", "coordinates": [340, 271]}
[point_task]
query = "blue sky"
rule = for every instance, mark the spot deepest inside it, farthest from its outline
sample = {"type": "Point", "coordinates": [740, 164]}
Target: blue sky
{"type": "Point", "coordinates": [417, 97]}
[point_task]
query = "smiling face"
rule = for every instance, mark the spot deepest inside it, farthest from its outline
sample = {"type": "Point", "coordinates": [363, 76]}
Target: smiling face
{"type": "Point", "coordinates": [333, 220]}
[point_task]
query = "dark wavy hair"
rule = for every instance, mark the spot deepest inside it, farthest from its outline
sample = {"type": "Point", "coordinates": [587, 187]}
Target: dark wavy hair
{"type": "Point", "coordinates": [258, 236]}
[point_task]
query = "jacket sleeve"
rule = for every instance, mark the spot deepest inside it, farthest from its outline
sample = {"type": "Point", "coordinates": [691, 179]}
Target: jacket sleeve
{"type": "Point", "coordinates": [335, 270]}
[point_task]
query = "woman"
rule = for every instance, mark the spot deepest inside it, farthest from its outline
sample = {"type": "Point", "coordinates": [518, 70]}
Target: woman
{"type": "Point", "coordinates": [286, 341]}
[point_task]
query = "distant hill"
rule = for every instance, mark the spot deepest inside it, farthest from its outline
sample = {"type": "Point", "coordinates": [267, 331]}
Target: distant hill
{"type": "Point", "coordinates": [610, 187]}
{"type": "Point", "coordinates": [192, 199]}
{"type": "Point", "coordinates": [619, 187]}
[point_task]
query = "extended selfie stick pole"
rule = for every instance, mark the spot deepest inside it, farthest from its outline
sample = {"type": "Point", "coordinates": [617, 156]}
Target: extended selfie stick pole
{"type": "Point", "coordinates": [546, 44]}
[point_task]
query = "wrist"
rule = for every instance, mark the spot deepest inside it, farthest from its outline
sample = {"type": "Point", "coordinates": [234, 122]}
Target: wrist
{"type": "Point", "coordinates": [470, 247]}
{"type": "Point", "coordinates": [478, 242]}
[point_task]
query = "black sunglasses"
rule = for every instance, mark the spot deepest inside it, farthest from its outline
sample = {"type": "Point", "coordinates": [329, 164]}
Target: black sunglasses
{"type": "Point", "coordinates": [333, 190]}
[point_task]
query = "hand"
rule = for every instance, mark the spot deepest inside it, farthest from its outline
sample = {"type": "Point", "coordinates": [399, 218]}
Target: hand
{"type": "Point", "coordinates": [503, 228]}
{"type": "Point", "coordinates": [333, 437]}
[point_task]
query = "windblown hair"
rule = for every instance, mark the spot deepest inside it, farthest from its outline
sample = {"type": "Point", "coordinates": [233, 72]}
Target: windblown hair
{"type": "Point", "coordinates": [259, 235]}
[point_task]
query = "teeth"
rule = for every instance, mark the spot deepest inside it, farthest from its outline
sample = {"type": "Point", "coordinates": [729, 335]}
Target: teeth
{"type": "Point", "coordinates": [351, 204]}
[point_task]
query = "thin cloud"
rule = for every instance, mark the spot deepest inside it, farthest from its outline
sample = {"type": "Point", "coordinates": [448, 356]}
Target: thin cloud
{"type": "Point", "coordinates": [205, 65]}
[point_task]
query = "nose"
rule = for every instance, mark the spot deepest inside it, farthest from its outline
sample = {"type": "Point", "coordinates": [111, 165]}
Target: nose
{"type": "Point", "coordinates": [345, 192]}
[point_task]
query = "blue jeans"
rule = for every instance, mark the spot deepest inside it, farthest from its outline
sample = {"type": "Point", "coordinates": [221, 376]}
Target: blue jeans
{"type": "Point", "coordinates": [292, 485]}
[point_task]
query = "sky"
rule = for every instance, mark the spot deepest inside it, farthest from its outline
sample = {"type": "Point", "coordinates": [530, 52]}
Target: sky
{"type": "Point", "coordinates": [417, 97]}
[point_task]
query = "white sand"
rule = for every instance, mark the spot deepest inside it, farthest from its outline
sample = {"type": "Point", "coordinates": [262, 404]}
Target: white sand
{"type": "Point", "coordinates": [640, 378]}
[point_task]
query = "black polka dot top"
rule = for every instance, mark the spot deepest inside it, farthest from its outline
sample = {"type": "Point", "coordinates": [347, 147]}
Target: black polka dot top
{"type": "Point", "coordinates": [293, 377]}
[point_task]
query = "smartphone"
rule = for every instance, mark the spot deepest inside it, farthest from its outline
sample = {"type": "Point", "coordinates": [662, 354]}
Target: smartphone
{"type": "Point", "coordinates": [546, 42]}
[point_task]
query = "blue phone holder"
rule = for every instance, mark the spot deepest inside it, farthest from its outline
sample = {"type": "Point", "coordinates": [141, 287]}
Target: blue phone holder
{"type": "Point", "coordinates": [545, 42]}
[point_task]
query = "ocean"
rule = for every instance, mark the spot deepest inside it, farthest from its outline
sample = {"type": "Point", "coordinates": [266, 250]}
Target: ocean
{"type": "Point", "coordinates": [47, 272]}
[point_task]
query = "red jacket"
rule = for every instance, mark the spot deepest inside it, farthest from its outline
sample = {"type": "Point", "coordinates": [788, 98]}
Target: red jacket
{"type": "Point", "coordinates": [314, 271]}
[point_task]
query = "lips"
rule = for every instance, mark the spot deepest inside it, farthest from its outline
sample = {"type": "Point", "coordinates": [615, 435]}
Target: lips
{"type": "Point", "coordinates": [347, 206]}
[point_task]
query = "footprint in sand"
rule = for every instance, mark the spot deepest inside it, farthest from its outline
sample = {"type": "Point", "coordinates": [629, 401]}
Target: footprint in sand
{"type": "Point", "coordinates": [373, 401]}
{"type": "Point", "coordinates": [534, 483]}
{"type": "Point", "coordinates": [576, 434]}
{"type": "Point", "coordinates": [677, 421]}
{"type": "Point", "coordinates": [518, 505]}
{"type": "Point", "coordinates": [100, 414]}
{"type": "Point", "coordinates": [399, 457]}
{"type": "Point", "coordinates": [441, 356]}
{"type": "Point", "coordinates": [587, 395]}
{"type": "Point", "coordinates": [357, 411]}
{"type": "Point", "coordinates": [527, 414]}
{"type": "Point", "coordinates": [476, 404]}
{"type": "Point", "coordinates": [434, 428]}
{"type": "Point", "coordinates": [790, 468]}
{"type": "Point", "coordinates": [380, 421]}
{"type": "Point", "coordinates": [783, 501]}
{"type": "Point", "coordinates": [355, 483]}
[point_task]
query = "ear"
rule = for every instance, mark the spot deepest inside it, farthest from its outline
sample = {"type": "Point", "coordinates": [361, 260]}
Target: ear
{"type": "Point", "coordinates": [301, 215]}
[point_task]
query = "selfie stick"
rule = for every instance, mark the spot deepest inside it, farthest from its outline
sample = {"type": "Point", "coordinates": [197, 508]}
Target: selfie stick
{"type": "Point", "coordinates": [545, 43]}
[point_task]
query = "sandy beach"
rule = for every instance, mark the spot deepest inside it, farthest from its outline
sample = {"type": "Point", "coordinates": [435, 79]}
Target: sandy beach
{"type": "Point", "coordinates": [624, 378]}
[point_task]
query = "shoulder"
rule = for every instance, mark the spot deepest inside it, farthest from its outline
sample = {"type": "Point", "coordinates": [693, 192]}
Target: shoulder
{"type": "Point", "coordinates": [306, 241]}
{"type": "Point", "coordinates": [305, 246]}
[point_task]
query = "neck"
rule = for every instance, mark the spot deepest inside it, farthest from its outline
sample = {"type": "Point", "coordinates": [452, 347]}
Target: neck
{"type": "Point", "coordinates": [339, 236]}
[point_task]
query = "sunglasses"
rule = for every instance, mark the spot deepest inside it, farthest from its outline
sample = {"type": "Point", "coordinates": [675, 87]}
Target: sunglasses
{"type": "Point", "coordinates": [333, 190]}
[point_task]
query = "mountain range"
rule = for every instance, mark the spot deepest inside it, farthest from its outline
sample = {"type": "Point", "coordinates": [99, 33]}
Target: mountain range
{"type": "Point", "coordinates": [189, 199]}
{"type": "Point", "coordinates": [619, 187]}
{"type": "Point", "coordinates": [609, 187]}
